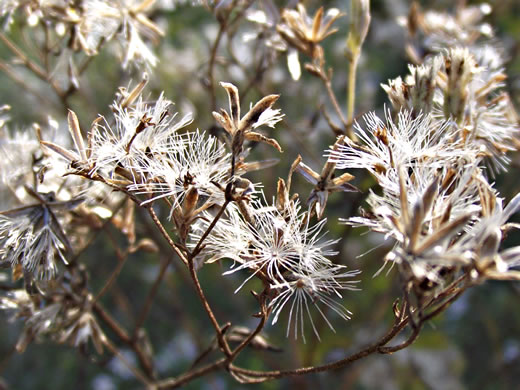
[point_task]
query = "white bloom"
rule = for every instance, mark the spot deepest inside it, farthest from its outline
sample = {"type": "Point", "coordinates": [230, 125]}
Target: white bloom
{"type": "Point", "coordinates": [189, 160]}
{"type": "Point", "coordinates": [310, 289]}
{"type": "Point", "coordinates": [406, 142]}
{"type": "Point", "coordinates": [125, 19]}
{"type": "Point", "coordinates": [284, 250]}
{"type": "Point", "coordinates": [269, 117]}
{"type": "Point", "coordinates": [33, 236]}
{"type": "Point", "coordinates": [141, 130]}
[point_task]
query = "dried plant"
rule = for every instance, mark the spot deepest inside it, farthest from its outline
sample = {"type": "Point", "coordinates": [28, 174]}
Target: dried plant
{"type": "Point", "coordinates": [145, 180]}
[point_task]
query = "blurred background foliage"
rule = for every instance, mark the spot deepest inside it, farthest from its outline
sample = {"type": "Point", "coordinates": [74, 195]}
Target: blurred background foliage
{"type": "Point", "coordinates": [475, 344]}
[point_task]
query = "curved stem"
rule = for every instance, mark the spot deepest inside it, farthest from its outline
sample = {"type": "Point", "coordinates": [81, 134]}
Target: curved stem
{"type": "Point", "coordinates": [122, 334]}
{"type": "Point", "coordinates": [137, 373]}
{"type": "Point", "coordinates": [351, 95]}
{"type": "Point", "coordinates": [394, 331]}
{"type": "Point", "coordinates": [149, 299]}
{"type": "Point", "coordinates": [191, 375]}
{"type": "Point", "coordinates": [220, 335]}
{"type": "Point", "coordinates": [165, 234]}
{"type": "Point", "coordinates": [211, 65]}
{"type": "Point", "coordinates": [198, 247]}
{"type": "Point", "coordinates": [332, 96]}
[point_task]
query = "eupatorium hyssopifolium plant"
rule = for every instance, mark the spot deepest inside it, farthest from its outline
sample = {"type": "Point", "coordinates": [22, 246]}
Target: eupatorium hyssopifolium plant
{"type": "Point", "coordinates": [143, 178]}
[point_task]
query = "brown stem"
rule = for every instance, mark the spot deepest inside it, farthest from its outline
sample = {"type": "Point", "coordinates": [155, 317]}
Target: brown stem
{"type": "Point", "coordinates": [378, 346]}
{"type": "Point", "coordinates": [18, 80]}
{"type": "Point", "coordinates": [121, 260]}
{"type": "Point", "coordinates": [394, 331]}
{"type": "Point", "coordinates": [415, 333]}
{"type": "Point", "coordinates": [111, 323]}
{"type": "Point", "coordinates": [165, 234]}
{"type": "Point", "coordinates": [191, 375]}
{"type": "Point", "coordinates": [122, 334]}
{"type": "Point", "coordinates": [137, 373]}
{"type": "Point", "coordinates": [33, 67]}
{"type": "Point", "coordinates": [220, 335]}
{"type": "Point", "coordinates": [332, 96]}
{"type": "Point", "coordinates": [198, 247]}
{"type": "Point", "coordinates": [149, 299]}
{"type": "Point", "coordinates": [249, 338]}
{"type": "Point", "coordinates": [211, 65]}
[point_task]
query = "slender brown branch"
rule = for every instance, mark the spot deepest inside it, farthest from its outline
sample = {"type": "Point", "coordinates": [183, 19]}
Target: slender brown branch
{"type": "Point", "coordinates": [249, 338]}
{"type": "Point", "coordinates": [210, 348]}
{"type": "Point", "coordinates": [198, 247]}
{"type": "Point", "coordinates": [409, 341]}
{"type": "Point", "coordinates": [149, 299]}
{"type": "Point", "coordinates": [137, 373]}
{"type": "Point", "coordinates": [220, 335]}
{"type": "Point", "coordinates": [191, 375]}
{"type": "Point", "coordinates": [378, 346]}
{"type": "Point", "coordinates": [165, 234]}
{"type": "Point", "coordinates": [33, 67]}
{"type": "Point", "coordinates": [122, 334]}
{"type": "Point", "coordinates": [394, 331]}
{"type": "Point", "coordinates": [121, 260]}
{"type": "Point", "coordinates": [332, 96]}
{"type": "Point", "coordinates": [211, 64]}
{"type": "Point", "coordinates": [222, 342]}
{"type": "Point", "coordinates": [18, 80]}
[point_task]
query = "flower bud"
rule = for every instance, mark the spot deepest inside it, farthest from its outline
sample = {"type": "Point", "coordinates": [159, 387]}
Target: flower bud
{"type": "Point", "coordinates": [359, 22]}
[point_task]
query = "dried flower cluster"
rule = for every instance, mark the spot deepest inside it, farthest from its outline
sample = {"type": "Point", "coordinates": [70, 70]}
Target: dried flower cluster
{"type": "Point", "coordinates": [144, 178]}
{"type": "Point", "coordinates": [433, 160]}
{"type": "Point", "coordinates": [86, 26]}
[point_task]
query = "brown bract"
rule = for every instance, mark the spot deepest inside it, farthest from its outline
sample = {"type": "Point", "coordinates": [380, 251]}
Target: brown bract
{"type": "Point", "coordinates": [241, 129]}
{"type": "Point", "coordinates": [324, 182]}
{"type": "Point", "coordinates": [304, 33]}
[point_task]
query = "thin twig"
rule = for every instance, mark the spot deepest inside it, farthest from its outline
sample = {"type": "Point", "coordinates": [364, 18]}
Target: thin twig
{"type": "Point", "coordinates": [20, 81]}
{"type": "Point", "coordinates": [220, 335]}
{"type": "Point", "coordinates": [121, 260]}
{"type": "Point", "coordinates": [198, 247]}
{"type": "Point", "coordinates": [332, 96]}
{"type": "Point", "coordinates": [211, 64]}
{"type": "Point", "coordinates": [122, 334]}
{"type": "Point", "coordinates": [394, 331]}
{"type": "Point", "coordinates": [191, 375]}
{"type": "Point", "coordinates": [165, 234]}
{"type": "Point", "coordinates": [249, 338]}
{"type": "Point", "coordinates": [137, 373]}
{"type": "Point", "coordinates": [351, 95]}
{"type": "Point", "coordinates": [29, 64]}
{"type": "Point", "coordinates": [149, 299]}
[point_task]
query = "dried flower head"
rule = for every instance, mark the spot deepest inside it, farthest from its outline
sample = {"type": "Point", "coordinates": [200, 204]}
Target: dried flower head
{"type": "Point", "coordinates": [33, 236]}
{"type": "Point", "coordinates": [142, 131]}
{"type": "Point", "coordinates": [60, 311]}
{"type": "Point", "coordinates": [305, 33]}
{"type": "Point", "coordinates": [324, 182]}
{"type": "Point", "coordinates": [464, 89]}
{"type": "Point", "coordinates": [190, 161]}
{"type": "Point", "coordinates": [241, 129]}
{"type": "Point", "coordinates": [127, 20]}
{"type": "Point", "coordinates": [441, 30]}
{"type": "Point", "coordinates": [286, 252]}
